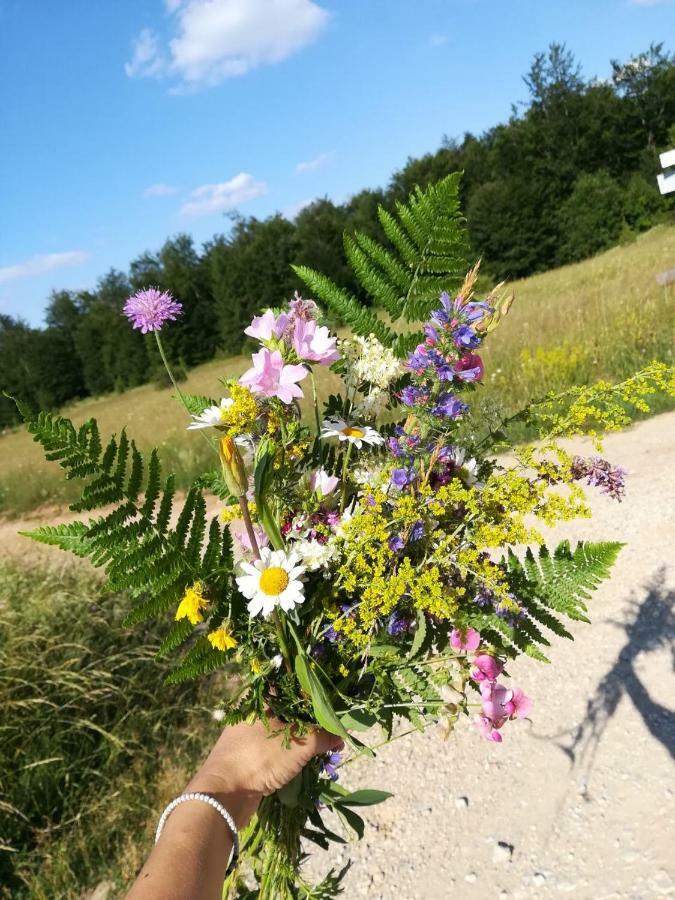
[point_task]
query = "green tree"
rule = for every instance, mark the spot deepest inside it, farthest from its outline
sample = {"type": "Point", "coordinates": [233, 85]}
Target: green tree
{"type": "Point", "coordinates": [592, 217]}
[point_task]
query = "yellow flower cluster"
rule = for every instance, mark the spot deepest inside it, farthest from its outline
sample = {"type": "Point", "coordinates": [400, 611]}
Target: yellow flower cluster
{"type": "Point", "coordinates": [602, 407]}
{"type": "Point", "coordinates": [192, 604]}
{"type": "Point", "coordinates": [242, 415]}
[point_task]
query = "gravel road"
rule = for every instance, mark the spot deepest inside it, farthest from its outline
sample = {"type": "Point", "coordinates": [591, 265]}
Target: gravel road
{"type": "Point", "coordinates": [577, 802]}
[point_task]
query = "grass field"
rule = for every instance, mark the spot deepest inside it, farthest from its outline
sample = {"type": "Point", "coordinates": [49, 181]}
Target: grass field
{"type": "Point", "coordinates": [87, 754]}
{"type": "Point", "coordinates": [605, 317]}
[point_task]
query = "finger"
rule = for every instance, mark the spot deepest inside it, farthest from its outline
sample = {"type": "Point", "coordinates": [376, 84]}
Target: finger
{"type": "Point", "coordinates": [320, 741]}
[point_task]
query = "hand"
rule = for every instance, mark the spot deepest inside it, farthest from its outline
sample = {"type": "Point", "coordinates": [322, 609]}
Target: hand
{"type": "Point", "coordinates": [250, 762]}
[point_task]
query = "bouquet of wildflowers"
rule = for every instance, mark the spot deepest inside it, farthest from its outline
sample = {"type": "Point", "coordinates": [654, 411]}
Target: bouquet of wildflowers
{"type": "Point", "coordinates": [362, 571]}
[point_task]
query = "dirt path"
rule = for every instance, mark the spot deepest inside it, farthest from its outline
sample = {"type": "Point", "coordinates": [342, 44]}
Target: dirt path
{"type": "Point", "coordinates": [578, 803]}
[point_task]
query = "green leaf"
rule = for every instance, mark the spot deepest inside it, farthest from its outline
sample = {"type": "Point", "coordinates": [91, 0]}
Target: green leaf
{"type": "Point", "coordinates": [365, 797]}
{"type": "Point", "coordinates": [351, 819]}
{"type": "Point", "coordinates": [358, 720]}
{"type": "Point", "coordinates": [323, 710]}
{"type": "Point", "coordinates": [420, 634]}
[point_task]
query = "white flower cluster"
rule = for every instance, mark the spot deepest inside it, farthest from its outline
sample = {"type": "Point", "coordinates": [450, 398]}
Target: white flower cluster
{"type": "Point", "coordinates": [370, 361]}
{"type": "Point", "coordinates": [315, 555]}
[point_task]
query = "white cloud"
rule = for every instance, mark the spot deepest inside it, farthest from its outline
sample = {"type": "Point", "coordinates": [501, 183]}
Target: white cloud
{"type": "Point", "coordinates": [311, 164]}
{"type": "Point", "coordinates": [438, 40]}
{"type": "Point", "coordinates": [292, 211]}
{"type": "Point", "coordinates": [38, 265]}
{"type": "Point", "coordinates": [219, 39]}
{"type": "Point", "coordinates": [147, 57]}
{"type": "Point", "coordinates": [160, 190]}
{"type": "Point", "coordinates": [216, 198]}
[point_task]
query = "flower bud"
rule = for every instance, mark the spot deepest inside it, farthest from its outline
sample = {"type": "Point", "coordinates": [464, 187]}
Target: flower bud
{"type": "Point", "coordinates": [234, 470]}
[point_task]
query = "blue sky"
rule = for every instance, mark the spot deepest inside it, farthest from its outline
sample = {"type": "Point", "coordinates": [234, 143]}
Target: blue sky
{"type": "Point", "coordinates": [126, 121]}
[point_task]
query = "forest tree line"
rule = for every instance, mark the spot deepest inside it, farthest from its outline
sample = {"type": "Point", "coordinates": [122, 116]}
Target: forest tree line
{"type": "Point", "coordinates": [571, 173]}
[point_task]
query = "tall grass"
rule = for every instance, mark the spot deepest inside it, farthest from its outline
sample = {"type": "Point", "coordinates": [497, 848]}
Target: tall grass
{"type": "Point", "coordinates": [603, 318]}
{"type": "Point", "coordinates": [91, 741]}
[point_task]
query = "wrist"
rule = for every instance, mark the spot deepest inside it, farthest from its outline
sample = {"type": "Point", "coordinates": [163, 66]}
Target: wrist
{"type": "Point", "coordinates": [240, 803]}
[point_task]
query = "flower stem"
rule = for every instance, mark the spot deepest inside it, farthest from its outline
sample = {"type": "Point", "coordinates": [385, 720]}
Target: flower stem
{"type": "Point", "coordinates": [345, 463]}
{"type": "Point", "coordinates": [281, 637]}
{"type": "Point", "coordinates": [246, 516]}
{"type": "Point", "coordinates": [181, 396]}
{"type": "Point", "coordinates": [315, 398]}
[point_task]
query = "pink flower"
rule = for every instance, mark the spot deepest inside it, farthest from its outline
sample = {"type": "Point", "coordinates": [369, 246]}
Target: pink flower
{"type": "Point", "coordinates": [469, 367]}
{"type": "Point", "coordinates": [323, 483]}
{"type": "Point", "coordinates": [486, 668]}
{"type": "Point", "coordinates": [267, 326]}
{"type": "Point", "coordinates": [488, 730]}
{"type": "Point", "coordinates": [468, 639]}
{"type": "Point", "coordinates": [241, 543]}
{"type": "Point", "coordinates": [520, 704]}
{"type": "Point", "coordinates": [497, 702]}
{"type": "Point", "coordinates": [269, 376]}
{"type": "Point", "coordinates": [314, 343]}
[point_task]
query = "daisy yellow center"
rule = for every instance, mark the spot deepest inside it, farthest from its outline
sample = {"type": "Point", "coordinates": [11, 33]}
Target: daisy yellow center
{"type": "Point", "coordinates": [274, 581]}
{"type": "Point", "coordinates": [350, 431]}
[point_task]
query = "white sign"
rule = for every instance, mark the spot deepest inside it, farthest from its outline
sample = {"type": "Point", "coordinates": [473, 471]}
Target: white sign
{"type": "Point", "coordinates": [666, 181]}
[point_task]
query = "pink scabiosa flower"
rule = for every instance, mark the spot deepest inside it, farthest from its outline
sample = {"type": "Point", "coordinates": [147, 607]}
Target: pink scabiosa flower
{"type": "Point", "coordinates": [270, 376]}
{"type": "Point", "coordinates": [149, 309]}
{"type": "Point", "coordinates": [314, 343]}
{"type": "Point", "coordinates": [267, 326]}
{"type": "Point", "coordinates": [464, 640]}
{"type": "Point", "coordinates": [241, 542]}
{"type": "Point", "coordinates": [486, 668]}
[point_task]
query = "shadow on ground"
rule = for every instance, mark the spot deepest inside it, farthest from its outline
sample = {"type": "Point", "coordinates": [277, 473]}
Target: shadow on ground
{"type": "Point", "coordinates": [649, 626]}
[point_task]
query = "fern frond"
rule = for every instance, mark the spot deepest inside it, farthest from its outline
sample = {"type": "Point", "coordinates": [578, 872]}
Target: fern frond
{"type": "Point", "coordinates": [427, 256]}
{"type": "Point", "coordinates": [132, 539]}
{"type": "Point", "coordinates": [560, 584]}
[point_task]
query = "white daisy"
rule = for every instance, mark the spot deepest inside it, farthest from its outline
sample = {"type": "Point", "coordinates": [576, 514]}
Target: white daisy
{"type": "Point", "coordinates": [355, 434]}
{"type": "Point", "coordinates": [212, 416]}
{"type": "Point", "coordinates": [273, 580]}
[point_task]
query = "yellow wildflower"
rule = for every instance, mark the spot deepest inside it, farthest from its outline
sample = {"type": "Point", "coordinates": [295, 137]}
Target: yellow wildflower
{"type": "Point", "coordinates": [222, 638]}
{"type": "Point", "coordinates": [192, 604]}
{"type": "Point", "coordinates": [256, 666]}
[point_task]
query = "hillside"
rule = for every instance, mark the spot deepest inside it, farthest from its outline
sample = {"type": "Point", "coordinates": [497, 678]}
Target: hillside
{"type": "Point", "coordinates": [604, 317]}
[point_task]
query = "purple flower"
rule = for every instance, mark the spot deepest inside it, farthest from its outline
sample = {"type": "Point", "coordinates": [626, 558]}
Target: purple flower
{"type": "Point", "coordinates": [402, 477]}
{"type": "Point", "coordinates": [449, 407]}
{"type": "Point", "coordinates": [399, 622]}
{"type": "Point", "coordinates": [396, 543]}
{"type": "Point", "coordinates": [267, 326]}
{"type": "Point", "coordinates": [464, 336]}
{"type": "Point", "coordinates": [602, 474]}
{"type": "Point", "coordinates": [432, 334]}
{"type": "Point", "coordinates": [329, 765]}
{"type": "Point", "coordinates": [476, 310]}
{"type": "Point", "coordinates": [417, 531]}
{"type": "Point", "coordinates": [411, 396]}
{"type": "Point", "coordinates": [394, 447]}
{"type": "Point", "coordinates": [149, 309]}
{"type": "Point", "coordinates": [419, 359]}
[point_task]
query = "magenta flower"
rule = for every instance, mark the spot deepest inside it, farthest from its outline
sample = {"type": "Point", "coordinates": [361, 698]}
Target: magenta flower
{"type": "Point", "coordinates": [488, 730]}
{"type": "Point", "coordinates": [267, 326]}
{"type": "Point", "coordinates": [149, 309]}
{"type": "Point", "coordinates": [486, 668]}
{"type": "Point", "coordinates": [497, 702]}
{"type": "Point", "coordinates": [270, 376]}
{"type": "Point", "coordinates": [314, 343]}
{"type": "Point", "coordinates": [469, 367]}
{"type": "Point", "coordinates": [467, 639]}
{"type": "Point", "coordinates": [520, 704]}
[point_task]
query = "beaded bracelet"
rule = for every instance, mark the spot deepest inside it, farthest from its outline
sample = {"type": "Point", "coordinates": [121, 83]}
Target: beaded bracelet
{"type": "Point", "coordinates": [205, 798]}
